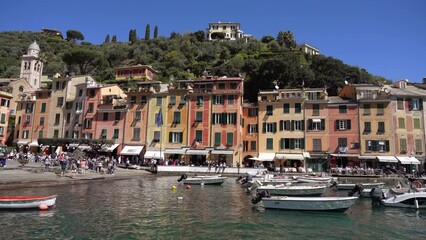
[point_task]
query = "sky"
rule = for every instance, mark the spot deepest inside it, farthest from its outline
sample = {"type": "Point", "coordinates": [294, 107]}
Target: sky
{"type": "Point", "coordinates": [385, 37]}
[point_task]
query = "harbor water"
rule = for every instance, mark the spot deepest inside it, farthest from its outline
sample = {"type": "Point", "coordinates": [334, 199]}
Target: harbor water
{"type": "Point", "coordinates": [148, 208]}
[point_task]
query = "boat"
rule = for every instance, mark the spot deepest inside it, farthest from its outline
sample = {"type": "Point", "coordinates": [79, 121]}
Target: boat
{"type": "Point", "coordinates": [350, 186]}
{"type": "Point", "coordinates": [24, 202]}
{"type": "Point", "coordinates": [293, 190]}
{"type": "Point", "coordinates": [202, 180]}
{"type": "Point", "coordinates": [320, 180]}
{"type": "Point", "coordinates": [412, 199]}
{"type": "Point", "coordinates": [305, 203]}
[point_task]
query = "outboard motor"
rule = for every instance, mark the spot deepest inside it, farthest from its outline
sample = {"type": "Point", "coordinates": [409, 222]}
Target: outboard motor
{"type": "Point", "coordinates": [376, 195]}
{"type": "Point", "coordinates": [182, 177]}
{"type": "Point", "coordinates": [259, 196]}
{"type": "Point", "coordinates": [246, 179]}
{"type": "Point", "coordinates": [333, 183]}
{"type": "Point", "coordinates": [357, 189]}
{"type": "Point", "coordinates": [239, 178]}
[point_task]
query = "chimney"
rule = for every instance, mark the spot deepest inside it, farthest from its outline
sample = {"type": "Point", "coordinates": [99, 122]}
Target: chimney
{"type": "Point", "coordinates": [424, 80]}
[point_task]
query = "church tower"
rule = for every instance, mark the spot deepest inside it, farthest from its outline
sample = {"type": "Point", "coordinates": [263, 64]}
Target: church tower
{"type": "Point", "coordinates": [31, 66]}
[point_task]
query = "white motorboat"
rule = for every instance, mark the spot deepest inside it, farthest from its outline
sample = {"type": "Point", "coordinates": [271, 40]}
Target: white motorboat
{"type": "Point", "coordinates": [350, 186]}
{"type": "Point", "coordinates": [202, 180]}
{"type": "Point", "coordinates": [412, 199]}
{"type": "Point", "coordinates": [312, 179]}
{"type": "Point", "coordinates": [293, 190]}
{"type": "Point", "coordinates": [305, 203]}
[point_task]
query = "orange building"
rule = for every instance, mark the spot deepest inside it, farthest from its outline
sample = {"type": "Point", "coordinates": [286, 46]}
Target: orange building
{"type": "Point", "coordinates": [4, 115]}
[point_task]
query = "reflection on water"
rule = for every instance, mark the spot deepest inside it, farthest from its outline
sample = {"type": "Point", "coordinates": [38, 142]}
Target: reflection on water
{"type": "Point", "coordinates": [148, 208]}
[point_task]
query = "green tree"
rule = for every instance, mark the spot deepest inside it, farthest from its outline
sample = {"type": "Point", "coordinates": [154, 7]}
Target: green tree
{"type": "Point", "coordinates": [85, 58]}
{"type": "Point", "coordinates": [106, 39]}
{"type": "Point", "coordinates": [147, 32]}
{"type": "Point", "coordinates": [267, 39]}
{"type": "Point", "coordinates": [132, 36]}
{"type": "Point", "coordinates": [155, 32]}
{"type": "Point", "coordinates": [74, 35]}
{"type": "Point", "coordinates": [114, 39]}
{"type": "Point", "coordinates": [286, 39]}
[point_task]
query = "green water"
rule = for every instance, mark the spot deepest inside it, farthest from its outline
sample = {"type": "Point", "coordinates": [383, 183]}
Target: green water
{"type": "Point", "coordinates": [148, 208]}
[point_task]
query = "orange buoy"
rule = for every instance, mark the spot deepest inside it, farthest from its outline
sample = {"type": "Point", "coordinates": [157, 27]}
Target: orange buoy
{"type": "Point", "coordinates": [43, 207]}
{"type": "Point", "coordinates": [188, 186]}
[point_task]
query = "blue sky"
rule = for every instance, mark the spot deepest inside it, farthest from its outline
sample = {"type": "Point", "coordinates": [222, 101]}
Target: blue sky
{"type": "Point", "coordinates": [385, 37]}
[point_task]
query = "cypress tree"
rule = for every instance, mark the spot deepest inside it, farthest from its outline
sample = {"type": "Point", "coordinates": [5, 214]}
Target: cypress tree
{"type": "Point", "coordinates": [114, 39]}
{"type": "Point", "coordinates": [147, 32]}
{"type": "Point", "coordinates": [155, 32]}
{"type": "Point", "coordinates": [106, 39]}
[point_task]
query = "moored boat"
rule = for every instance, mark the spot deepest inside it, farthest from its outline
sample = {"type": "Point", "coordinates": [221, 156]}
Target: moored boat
{"type": "Point", "coordinates": [412, 199]}
{"type": "Point", "coordinates": [350, 186]}
{"type": "Point", "coordinates": [305, 203]}
{"type": "Point", "coordinates": [293, 190]}
{"type": "Point", "coordinates": [202, 180]}
{"type": "Point", "coordinates": [24, 202]}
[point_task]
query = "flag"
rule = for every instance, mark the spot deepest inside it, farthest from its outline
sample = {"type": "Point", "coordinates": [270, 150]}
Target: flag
{"type": "Point", "coordinates": [159, 118]}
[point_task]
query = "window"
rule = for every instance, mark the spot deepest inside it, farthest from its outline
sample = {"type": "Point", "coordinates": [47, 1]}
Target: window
{"type": "Point", "coordinates": [104, 134]}
{"type": "Point", "coordinates": [403, 145]}
{"type": "Point", "coordinates": [292, 143]}
{"type": "Point", "coordinates": [231, 99]}
{"type": "Point", "coordinates": [60, 102]}
{"type": "Point", "coordinates": [297, 108]}
{"type": "Point", "coordinates": [414, 104]}
{"type": "Point", "coordinates": [75, 134]}
{"type": "Point", "coordinates": [252, 128]}
{"type": "Point", "coordinates": [286, 108]}
{"type": "Point", "coordinates": [285, 125]}
{"type": "Point", "coordinates": [40, 134]}
{"type": "Point", "coordinates": [116, 133]}
{"type": "Point", "coordinates": [343, 125]}
{"type": "Point", "coordinates": [41, 123]}
{"type": "Point", "coordinates": [132, 99]}
{"type": "Point", "coordinates": [342, 142]}
{"type": "Point", "coordinates": [217, 139]}
{"type": "Point", "coordinates": [200, 100]}
{"type": "Point", "coordinates": [56, 133]}
{"type": "Point", "coordinates": [234, 85]}
{"type": "Point", "coordinates": [218, 99]}
{"type": "Point", "coordinates": [172, 100]}
{"type": "Point", "coordinates": [316, 109]}
{"type": "Point", "coordinates": [136, 133]}
{"type": "Point", "coordinates": [342, 109]}
{"type": "Point", "coordinates": [1, 131]}
{"type": "Point", "coordinates": [80, 92]}
{"type": "Point", "coordinates": [198, 116]}
{"type": "Point", "coordinates": [176, 117]}
{"type": "Point", "coordinates": [313, 95]}
{"type": "Point", "coordinates": [68, 118]}
{"type": "Point", "coordinates": [316, 124]}
{"type": "Point", "coordinates": [3, 118]}
{"type": "Point", "coordinates": [66, 134]}
{"type": "Point", "coordinates": [380, 127]}
{"type": "Point", "coordinates": [269, 110]}
{"type": "Point", "coordinates": [182, 100]}
{"type": "Point", "coordinates": [400, 104]}
{"type": "Point", "coordinates": [416, 123]}
{"type": "Point", "coordinates": [367, 127]}
{"type": "Point", "coordinates": [143, 99]}
{"type": "Point", "coordinates": [377, 146]}
{"type": "Point", "coordinates": [28, 108]}
{"type": "Point", "coordinates": [138, 115]}
{"type": "Point", "coordinates": [57, 118]}
{"type": "Point", "coordinates": [156, 136]}
{"type": "Point", "coordinates": [159, 101]}
{"type": "Point", "coordinates": [419, 144]}
{"type": "Point", "coordinates": [269, 143]}
{"type": "Point", "coordinates": [91, 105]}
{"type": "Point", "coordinates": [117, 116]}
{"type": "Point", "coordinates": [253, 145]}
{"type": "Point", "coordinates": [25, 134]}
{"type": "Point", "coordinates": [298, 125]}
{"type": "Point", "coordinates": [253, 112]}
{"type": "Point", "coordinates": [199, 135]}
{"type": "Point", "coordinates": [317, 144]}
{"type": "Point", "coordinates": [229, 139]}
{"type": "Point", "coordinates": [401, 123]}
{"type": "Point", "coordinates": [367, 109]}
{"type": "Point", "coordinates": [43, 107]}
{"type": "Point", "coordinates": [269, 127]}
{"type": "Point", "coordinates": [221, 86]}
{"type": "Point", "coordinates": [88, 123]}
{"type": "Point", "coordinates": [380, 109]}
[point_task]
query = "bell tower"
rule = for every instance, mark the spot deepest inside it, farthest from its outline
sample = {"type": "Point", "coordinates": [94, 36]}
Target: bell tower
{"type": "Point", "coordinates": [31, 66]}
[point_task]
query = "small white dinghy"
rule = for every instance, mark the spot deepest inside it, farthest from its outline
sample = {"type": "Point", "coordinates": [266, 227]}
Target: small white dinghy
{"type": "Point", "coordinates": [202, 180]}
{"type": "Point", "coordinates": [23, 202]}
{"type": "Point", "coordinates": [293, 190]}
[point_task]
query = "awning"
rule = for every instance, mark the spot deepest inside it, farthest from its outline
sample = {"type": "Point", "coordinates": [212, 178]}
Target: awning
{"type": "Point", "coordinates": [197, 152]}
{"type": "Point", "coordinates": [306, 155]}
{"type": "Point", "coordinates": [108, 148]}
{"type": "Point", "coordinates": [22, 142]}
{"type": "Point", "coordinates": [131, 150]}
{"type": "Point", "coordinates": [264, 157]}
{"type": "Point", "coordinates": [73, 145]}
{"type": "Point", "coordinates": [157, 154]}
{"type": "Point", "coordinates": [33, 144]}
{"type": "Point", "coordinates": [316, 120]}
{"type": "Point", "coordinates": [387, 159]}
{"type": "Point", "coordinates": [290, 156]}
{"type": "Point", "coordinates": [222, 151]}
{"type": "Point", "coordinates": [408, 160]}
{"type": "Point", "coordinates": [84, 147]}
{"type": "Point", "coordinates": [345, 155]}
{"type": "Point", "coordinates": [175, 150]}
{"type": "Point", "coordinates": [367, 157]}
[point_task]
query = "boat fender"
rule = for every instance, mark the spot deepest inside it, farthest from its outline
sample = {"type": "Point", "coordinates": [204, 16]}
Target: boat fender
{"type": "Point", "coordinates": [416, 203]}
{"type": "Point", "coordinates": [417, 183]}
{"type": "Point", "coordinates": [183, 176]}
{"type": "Point", "coordinates": [43, 207]}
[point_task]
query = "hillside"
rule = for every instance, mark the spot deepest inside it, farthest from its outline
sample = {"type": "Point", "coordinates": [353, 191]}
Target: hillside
{"type": "Point", "coordinates": [262, 62]}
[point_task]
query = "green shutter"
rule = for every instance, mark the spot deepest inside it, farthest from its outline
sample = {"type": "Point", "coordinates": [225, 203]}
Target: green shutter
{"type": "Point", "coordinates": [349, 124]}
{"type": "Point", "coordinates": [274, 127]}
{"type": "Point", "coordinates": [43, 107]}
{"type": "Point", "coordinates": [217, 139]}
{"type": "Point", "coordinates": [282, 143]}
{"type": "Point", "coordinates": [322, 124]}
{"type": "Point", "coordinates": [170, 137]}
{"type": "Point", "coordinates": [230, 139]}
{"type": "Point", "coordinates": [302, 143]}
{"type": "Point", "coordinates": [291, 143]}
